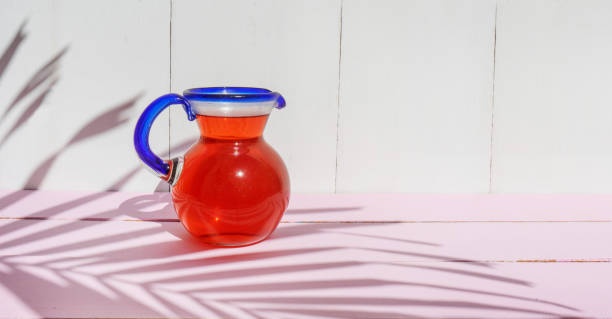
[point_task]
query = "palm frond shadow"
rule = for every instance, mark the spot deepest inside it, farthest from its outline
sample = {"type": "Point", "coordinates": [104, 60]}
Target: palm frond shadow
{"type": "Point", "coordinates": [46, 76]}
{"type": "Point", "coordinates": [179, 276]}
{"type": "Point", "coordinates": [104, 122]}
{"type": "Point", "coordinates": [11, 49]}
{"type": "Point", "coordinates": [43, 81]}
{"type": "Point", "coordinates": [159, 270]}
{"type": "Point", "coordinates": [47, 72]}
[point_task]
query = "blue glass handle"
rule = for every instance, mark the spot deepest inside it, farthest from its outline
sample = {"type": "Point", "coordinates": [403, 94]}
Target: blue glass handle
{"type": "Point", "coordinates": [143, 127]}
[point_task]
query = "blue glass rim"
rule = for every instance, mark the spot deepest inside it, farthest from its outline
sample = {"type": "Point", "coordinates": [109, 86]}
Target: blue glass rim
{"type": "Point", "coordinates": [230, 94]}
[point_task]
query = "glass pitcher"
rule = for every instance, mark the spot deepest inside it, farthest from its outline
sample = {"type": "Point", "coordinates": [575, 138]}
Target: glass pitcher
{"type": "Point", "coordinates": [230, 188]}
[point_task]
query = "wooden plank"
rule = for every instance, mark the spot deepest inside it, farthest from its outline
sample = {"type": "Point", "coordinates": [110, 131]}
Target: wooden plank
{"type": "Point", "coordinates": [85, 205]}
{"type": "Point", "coordinates": [449, 207]}
{"type": "Point", "coordinates": [348, 292]}
{"type": "Point", "coordinates": [323, 207]}
{"type": "Point", "coordinates": [552, 111]}
{"type": "Point", "coordinates": [415, 96]}
{"type": "Point", "coordinates": [446, 242]}
{"type": "Point", "coordinates": [152, 269]}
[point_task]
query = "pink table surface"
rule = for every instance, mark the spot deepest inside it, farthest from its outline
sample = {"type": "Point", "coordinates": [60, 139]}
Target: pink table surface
{"type": "Point", "coordinates": [110, 255]}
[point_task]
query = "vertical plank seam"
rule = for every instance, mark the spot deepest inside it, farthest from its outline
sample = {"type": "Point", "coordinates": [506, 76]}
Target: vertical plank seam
{"type": "Point", "coordinates": [491, 132]}
{"type": "Point", "coordinates": [170, 77]}
{"type": "Point", "coordinates": [338, 98]}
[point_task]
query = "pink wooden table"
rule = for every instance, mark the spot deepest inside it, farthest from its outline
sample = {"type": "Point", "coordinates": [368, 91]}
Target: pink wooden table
{"type": "Point", "coordinates": [334, 256]}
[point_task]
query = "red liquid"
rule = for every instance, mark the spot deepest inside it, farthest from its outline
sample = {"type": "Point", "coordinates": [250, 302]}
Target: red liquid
{"type": "Point", "coordinates": [234, 187]}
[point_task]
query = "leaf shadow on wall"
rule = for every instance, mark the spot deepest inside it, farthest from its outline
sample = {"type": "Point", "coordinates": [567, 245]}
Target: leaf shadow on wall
{"type": "Point", "coordinates": [39, 86]}
{"type": "Point", "coordinates": [99, 125]}
{"type": "Point", "coordinates": [11, 49]}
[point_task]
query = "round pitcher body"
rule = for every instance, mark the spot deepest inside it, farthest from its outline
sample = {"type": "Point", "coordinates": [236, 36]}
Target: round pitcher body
{"type": "Point", "coordinates": [233, 187]}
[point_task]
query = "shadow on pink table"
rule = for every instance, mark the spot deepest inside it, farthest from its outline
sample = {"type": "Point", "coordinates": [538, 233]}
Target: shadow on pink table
{"type": "Point", "coordinates": [89, 257]}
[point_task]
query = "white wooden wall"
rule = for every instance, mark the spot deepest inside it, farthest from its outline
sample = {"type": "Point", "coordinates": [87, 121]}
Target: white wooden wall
{"type": "Point", "coordinates": [553, 97]}
{"type": "Point", "coordinates": [415, 96]}
{"type": "Point", "coordinates": [383, 96]}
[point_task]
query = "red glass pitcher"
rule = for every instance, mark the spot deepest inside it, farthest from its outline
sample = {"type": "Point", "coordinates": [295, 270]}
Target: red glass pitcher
{"type": "Point", "coordinates": [230, 188]}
